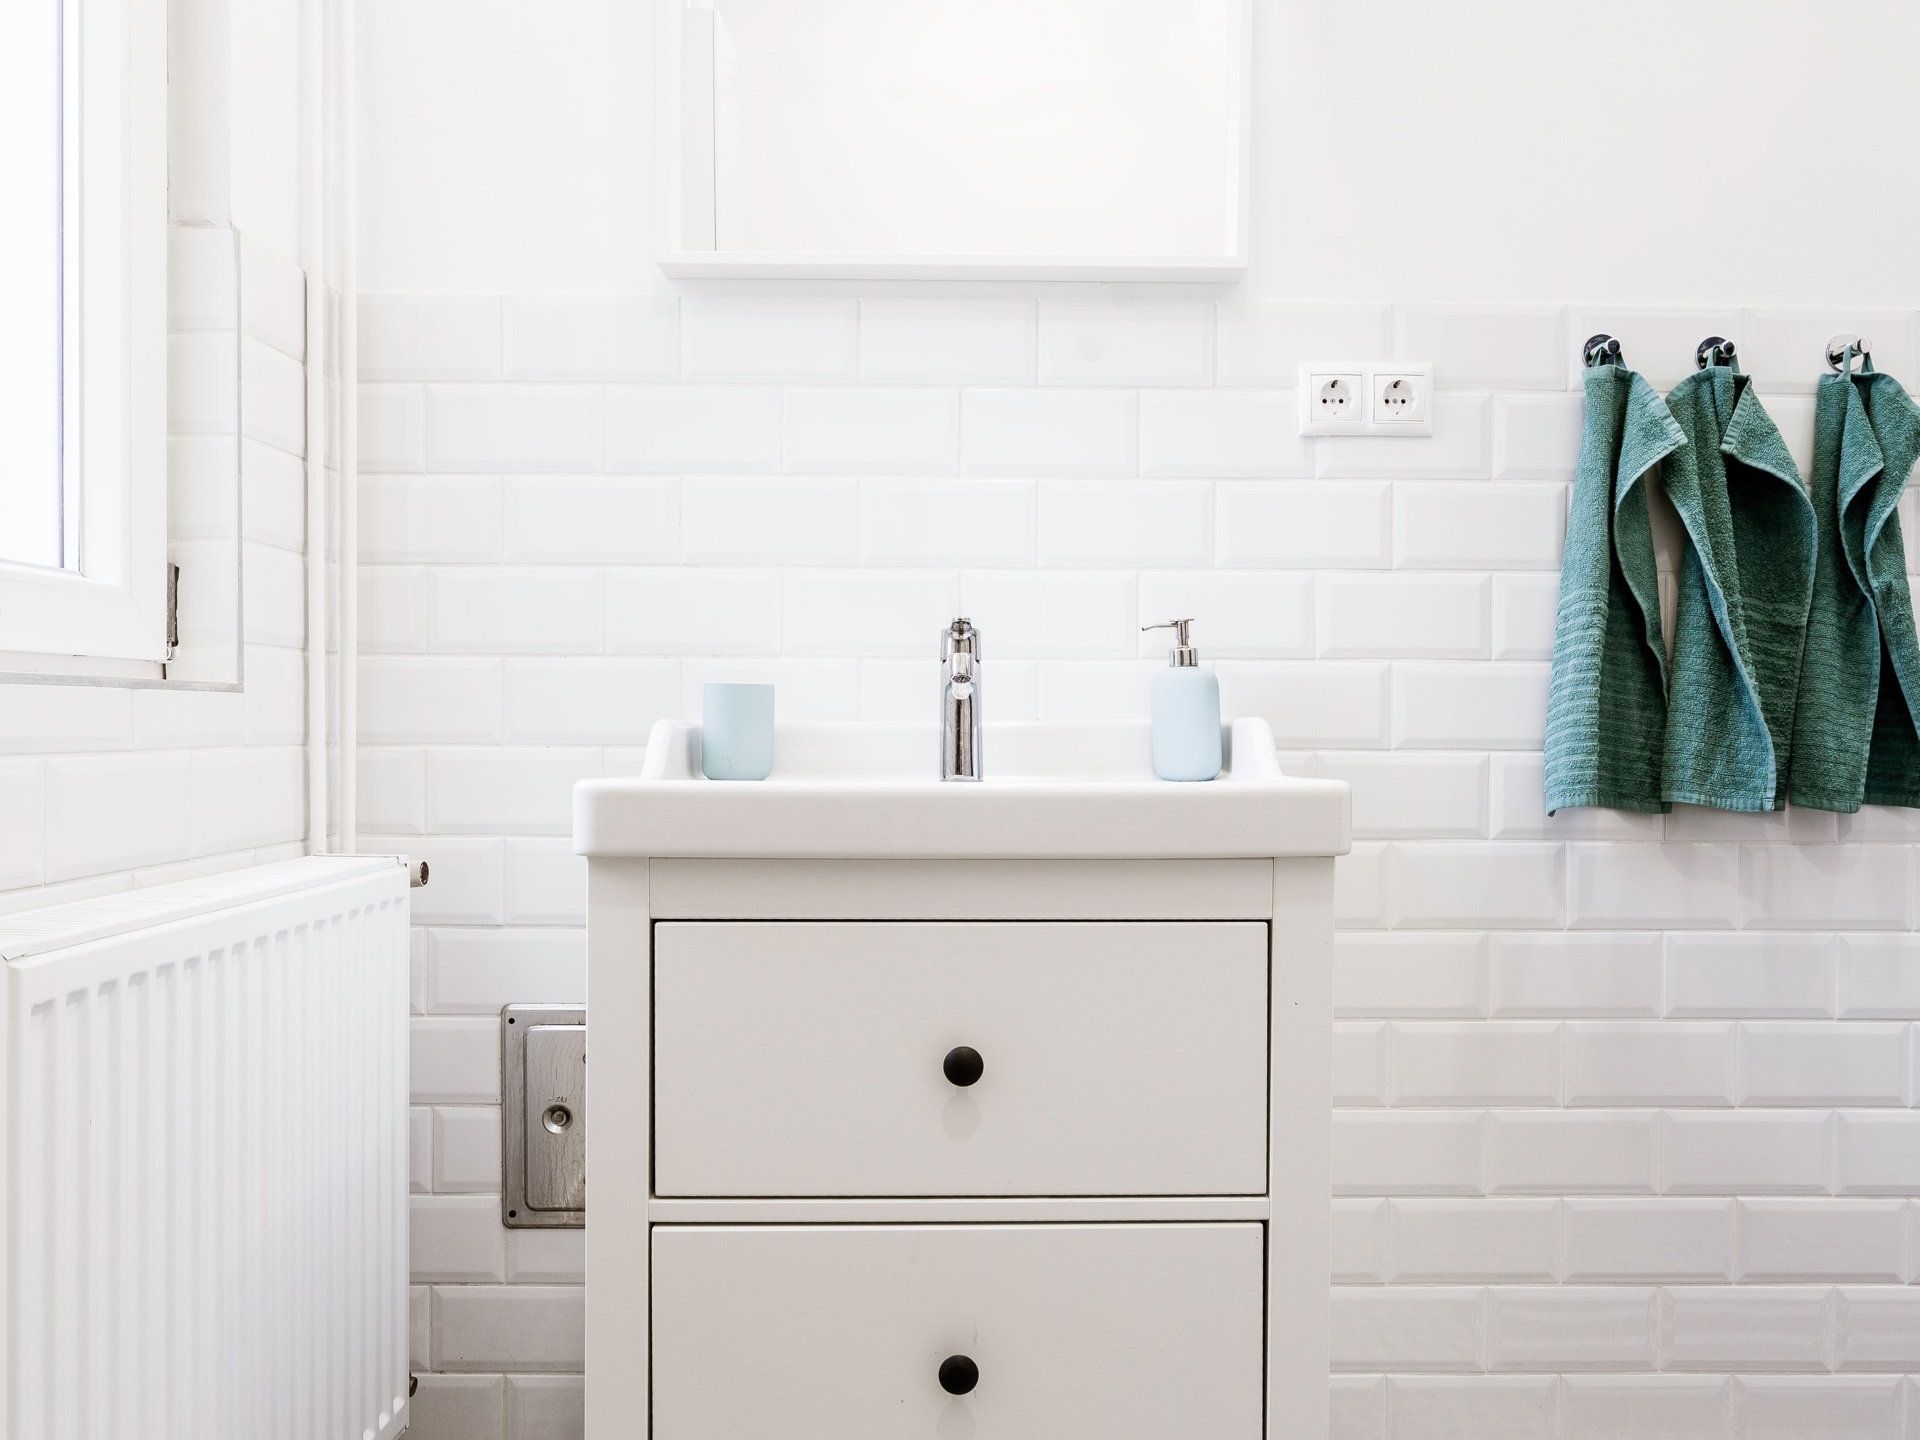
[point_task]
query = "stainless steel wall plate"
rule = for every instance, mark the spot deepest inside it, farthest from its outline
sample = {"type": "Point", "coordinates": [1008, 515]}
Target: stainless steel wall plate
{"type": "Point", "coordinates": [543, 1117]}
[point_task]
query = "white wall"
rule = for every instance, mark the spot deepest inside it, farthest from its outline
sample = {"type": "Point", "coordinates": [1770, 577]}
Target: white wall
{"type": "Point", "coordinates": [504, 144]}
{"type": "Point", "coordinates": [1718, 152]}
{"type": "Point", "coordinates": [1747, 152]}
{"type": "Point", "coordinates": [264, 44]}
{"type": "Point", "coordinates": [1625, 1130]}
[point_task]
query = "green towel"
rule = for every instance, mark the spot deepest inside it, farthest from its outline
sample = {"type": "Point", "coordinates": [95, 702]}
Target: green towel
{"type": "Point", "coordinates": [1744, 587]}
{"type": "Point", "coordinates": [1607, 700]}
{"type": "Point", "coordinates": [1854, 734]}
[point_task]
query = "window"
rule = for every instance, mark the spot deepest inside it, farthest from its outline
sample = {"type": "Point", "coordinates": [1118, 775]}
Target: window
{"type": "Point", "coordinates": [83, 351]}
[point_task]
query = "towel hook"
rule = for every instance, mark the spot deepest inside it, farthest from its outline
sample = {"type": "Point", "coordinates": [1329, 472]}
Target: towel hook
{"type": "Point", "coordinates": [1714, 350]}
{"type": "Point", "coordinates": [1838, 346]}
{"type": "Point", "coordinates": [1600, 350]}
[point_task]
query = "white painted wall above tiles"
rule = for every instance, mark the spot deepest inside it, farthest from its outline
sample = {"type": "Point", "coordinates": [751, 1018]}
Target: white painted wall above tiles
{"type": "Point", "coordinates": [466, 93]}
{"type": "Point", "coordinates": [1626, 1129]}
{"type": "Point", "coordinates": [1493, 150]}
{"type": "Point", "coordinates": [1501, 149]}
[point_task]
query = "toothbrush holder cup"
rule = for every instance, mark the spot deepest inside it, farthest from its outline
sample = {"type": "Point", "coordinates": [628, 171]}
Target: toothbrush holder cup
{"type": "Point", "coordinates": [736, 731]}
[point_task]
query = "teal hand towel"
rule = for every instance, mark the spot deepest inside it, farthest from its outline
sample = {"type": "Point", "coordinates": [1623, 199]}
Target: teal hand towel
{"type": "Point", "coordinates": [1854, 736]}
{"type": "Point", "coordinates": [1607, 699]}
{"type": "Point", "coordinates": [1742, 594]}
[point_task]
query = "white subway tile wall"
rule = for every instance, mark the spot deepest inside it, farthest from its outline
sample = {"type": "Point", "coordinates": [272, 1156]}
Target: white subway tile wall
{"type": "Point", "coordinates": [105, 788]}
{"type": "Point", "coordinates": [1624, 1141]}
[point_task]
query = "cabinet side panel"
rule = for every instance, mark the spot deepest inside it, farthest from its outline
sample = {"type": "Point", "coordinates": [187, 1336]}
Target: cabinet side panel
{"type": "Point", "coordinates": [1300, 1124]}
{"type": "Point", "coordinates": [619, 1081]}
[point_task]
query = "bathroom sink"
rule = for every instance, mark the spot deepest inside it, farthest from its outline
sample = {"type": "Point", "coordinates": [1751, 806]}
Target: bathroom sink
{"type": "Point", "coordinates": [871, 791]}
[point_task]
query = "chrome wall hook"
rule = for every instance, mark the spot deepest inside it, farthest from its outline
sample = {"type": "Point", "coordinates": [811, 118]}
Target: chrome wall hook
{"type": "Point", "coordinates": [1714, 350]}
{"type": "Point", "coordinates": [1838, 346]}
{"type": "Point", "coordinates": [1600, 350]}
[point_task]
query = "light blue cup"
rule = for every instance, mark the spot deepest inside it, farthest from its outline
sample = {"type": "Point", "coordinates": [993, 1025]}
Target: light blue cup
{"type": "Point", "coordinates": [736, 732]}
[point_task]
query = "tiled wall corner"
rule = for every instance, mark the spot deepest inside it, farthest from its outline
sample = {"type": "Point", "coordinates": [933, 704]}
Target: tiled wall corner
{"type": "Point", "coordinates": [193, 779]}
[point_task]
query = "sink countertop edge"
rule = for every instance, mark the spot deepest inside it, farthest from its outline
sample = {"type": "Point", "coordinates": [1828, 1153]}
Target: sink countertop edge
{"type": "Point", "coordinates": [876, 820]}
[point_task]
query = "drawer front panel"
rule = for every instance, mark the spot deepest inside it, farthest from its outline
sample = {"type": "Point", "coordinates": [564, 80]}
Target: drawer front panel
{"type": "Point", "coordinates": [835, 1059]}
{"type": "Point", "coordinates": [1081, 1332]}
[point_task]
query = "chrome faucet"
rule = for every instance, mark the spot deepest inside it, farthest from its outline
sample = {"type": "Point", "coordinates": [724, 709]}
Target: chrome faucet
{"type": "Point", "coordinates": [960, 701]}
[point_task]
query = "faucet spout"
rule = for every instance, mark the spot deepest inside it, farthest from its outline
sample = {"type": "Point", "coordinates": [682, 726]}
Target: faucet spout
{"type": "Point", "coordinates": [960, 701]}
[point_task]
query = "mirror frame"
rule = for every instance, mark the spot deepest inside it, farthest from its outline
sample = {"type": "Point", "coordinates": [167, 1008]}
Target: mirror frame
{"type": "Point", "coordinates": [682, 261]}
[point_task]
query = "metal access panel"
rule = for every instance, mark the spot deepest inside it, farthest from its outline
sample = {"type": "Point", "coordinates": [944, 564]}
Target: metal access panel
{"type": "Point", "coordinates": [543, 1091]}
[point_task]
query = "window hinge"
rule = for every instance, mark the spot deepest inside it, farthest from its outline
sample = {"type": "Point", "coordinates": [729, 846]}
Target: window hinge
{"type": "Point", "coordinates": [173, 609]}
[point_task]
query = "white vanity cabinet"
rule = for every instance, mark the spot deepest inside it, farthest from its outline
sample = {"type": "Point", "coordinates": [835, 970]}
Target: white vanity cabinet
{"type": "Point", "coordinates": [892, 1142]}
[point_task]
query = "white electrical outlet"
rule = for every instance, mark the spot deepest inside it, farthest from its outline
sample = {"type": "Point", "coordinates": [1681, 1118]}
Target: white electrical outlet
{"type": "Point", "coordinates": [1361, 398]}
{"type": "Point", "coordinates": [1402, 399]}
{"type": "Point", "coordinates": [1333, 400]}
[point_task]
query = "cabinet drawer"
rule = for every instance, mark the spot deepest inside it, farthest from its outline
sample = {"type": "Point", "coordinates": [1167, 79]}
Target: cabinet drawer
{"type": "Point", "coordinates": [820, 1059]}
{"type": "Point", "coordinates": [1075, 1332]}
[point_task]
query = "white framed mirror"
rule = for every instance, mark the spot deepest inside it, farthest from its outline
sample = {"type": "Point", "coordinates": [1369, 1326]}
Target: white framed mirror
{"type": "Point", "coordinates": [1014, 139]}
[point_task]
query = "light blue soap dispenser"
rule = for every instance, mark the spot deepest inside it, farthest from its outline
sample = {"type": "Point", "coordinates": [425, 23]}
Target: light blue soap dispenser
{"type": "Point", "coordinates": [1186, 711]}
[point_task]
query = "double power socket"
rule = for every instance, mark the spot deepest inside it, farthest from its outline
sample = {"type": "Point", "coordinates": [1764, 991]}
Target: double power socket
{"type": "Point", "coordinates": [1388, 398]}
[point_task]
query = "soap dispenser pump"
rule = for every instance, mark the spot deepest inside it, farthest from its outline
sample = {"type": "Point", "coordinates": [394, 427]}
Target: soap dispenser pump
{"type": "Point", "coordinates": [1186, 711]}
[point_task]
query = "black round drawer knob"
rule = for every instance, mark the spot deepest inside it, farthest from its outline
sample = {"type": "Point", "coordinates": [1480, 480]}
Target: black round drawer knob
{"type": "Point", "coordinates": [963, 1066]}
{"type": "Point", "coordinates": [958, 1374]}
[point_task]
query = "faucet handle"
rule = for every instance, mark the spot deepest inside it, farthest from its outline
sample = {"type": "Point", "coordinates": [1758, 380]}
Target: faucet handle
{"type": "Point", "coordinates": [960, 638]}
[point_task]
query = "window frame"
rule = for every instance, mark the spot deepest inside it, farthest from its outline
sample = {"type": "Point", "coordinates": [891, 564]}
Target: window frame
{"type": "Point", "coordinates": [107, 617]}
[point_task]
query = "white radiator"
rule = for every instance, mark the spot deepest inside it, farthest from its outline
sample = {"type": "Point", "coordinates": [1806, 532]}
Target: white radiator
{"type": "Point", "coordinates": [203, 1159]}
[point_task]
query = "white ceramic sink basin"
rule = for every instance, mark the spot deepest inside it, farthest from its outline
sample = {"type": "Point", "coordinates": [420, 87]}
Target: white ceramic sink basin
{"type": "Point", "coordinates": [857, 791]}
